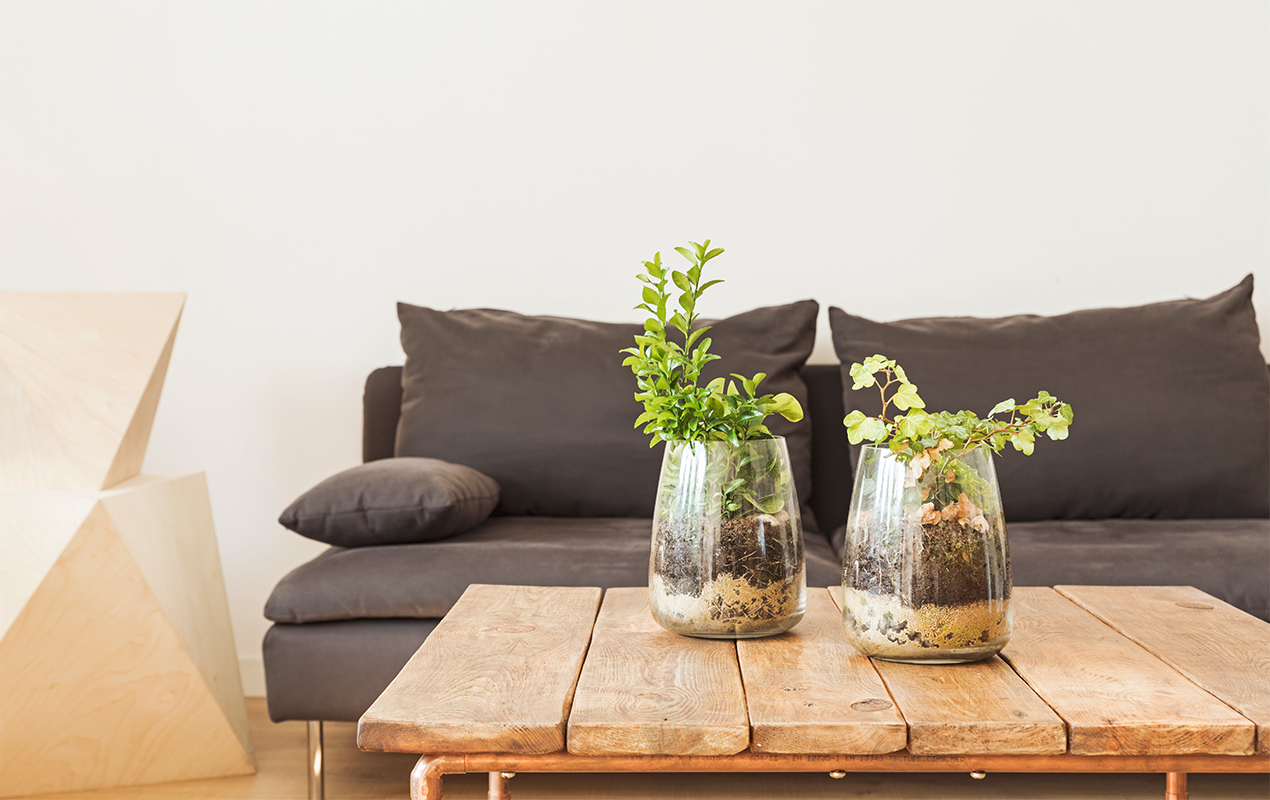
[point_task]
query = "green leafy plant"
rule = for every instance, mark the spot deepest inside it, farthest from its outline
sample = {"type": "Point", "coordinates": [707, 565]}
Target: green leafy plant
{"type": "Point", "coordinates": [931, 443]}
{"type": "Point", "coordinates": [667, 373]}
{"type": "Point", "coordinates": [668, 359]}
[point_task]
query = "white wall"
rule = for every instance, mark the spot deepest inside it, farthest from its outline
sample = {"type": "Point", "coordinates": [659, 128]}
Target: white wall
{"type": "Point", "coordinates": [299, 167]}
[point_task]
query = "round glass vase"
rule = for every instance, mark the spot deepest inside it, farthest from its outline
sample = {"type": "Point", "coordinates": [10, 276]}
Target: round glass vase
{"type": "Point", "coordinates": [727, 551]}
{"type": "Point", "coordinates": [926, 565]}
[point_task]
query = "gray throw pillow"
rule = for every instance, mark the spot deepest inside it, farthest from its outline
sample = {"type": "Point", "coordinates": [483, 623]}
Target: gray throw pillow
{"type": "Point", "coordinates": [393, 501]}
{"type": "Point", "coordinates": [1171, 401]}
{"type": "Point", "coordinates": [544, 406]}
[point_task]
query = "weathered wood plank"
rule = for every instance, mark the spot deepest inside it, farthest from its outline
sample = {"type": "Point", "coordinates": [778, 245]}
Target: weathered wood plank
{"type": "Point", "coordinates": [1115, 697]}
{"type": "Point", "coordinates": [1219, 647]}
{"type": "Point", "coordinates": [984, 707]}
{"type": "Point", "coordinates": [646, 691]}
{"type": "Point", "coordinates": [496, 675]}
{"type": "Point", "coordinates": [810, 691]}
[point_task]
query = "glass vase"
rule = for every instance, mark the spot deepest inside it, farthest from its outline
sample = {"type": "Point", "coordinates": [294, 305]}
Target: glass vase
{"type": "Point", "coordinates": [926, 564]}
{"type": "Point", "coordinates": [727, 551]}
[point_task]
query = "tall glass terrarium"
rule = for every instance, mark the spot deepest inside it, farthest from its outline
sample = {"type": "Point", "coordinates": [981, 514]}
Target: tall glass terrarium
{"type": "Point", "coordinates": [727, 549]}
{"type": "Point", "coordinates": [926, 564]}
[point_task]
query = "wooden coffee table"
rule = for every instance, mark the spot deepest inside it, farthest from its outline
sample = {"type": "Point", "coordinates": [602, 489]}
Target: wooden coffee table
{"type": "Point", "coordinates": [1095, 679]}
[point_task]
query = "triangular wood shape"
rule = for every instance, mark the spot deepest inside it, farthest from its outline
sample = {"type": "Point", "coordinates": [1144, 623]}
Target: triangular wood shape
{"type": "Point", "coordinates": [80, 378]}
{"type": "Point", "coordinates": [118, 670]}
{"type": "Point", "coordinates": [166, 524]}
{"type": "Point", "coordinates": [35, 527]}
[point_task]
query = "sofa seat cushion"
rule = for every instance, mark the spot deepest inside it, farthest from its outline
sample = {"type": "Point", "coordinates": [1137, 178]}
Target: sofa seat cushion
{"type": "Point", "coordinates": [335, 670]}
{"type": "Point", "coordinates": [1228, 558]}
{"type": "Point", "coordinates": [424, 580]}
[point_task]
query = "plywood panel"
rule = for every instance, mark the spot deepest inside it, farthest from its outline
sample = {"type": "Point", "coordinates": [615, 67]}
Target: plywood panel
{"type": "Point", "coordinates": [33, 456]}
{"type": "Point", "coordinates": [99, 689]}
{"type": "Point", "coordinates": [166, 524]}
{"type": "Point", "coordinates": [810, 691]}
{"type": "Point", "coordinates": [132, 448]}
{"type": "Point", "coordinates": [496, 674]}
{"type": "Point", "coordinates": [1219, 647]}
{"type": "Point", "coordinates": [82, 372]}
{"type": "Point", "coordinates": [1115, 697]}
{"type": "Point", "coordinates": [645, 690]}
{"type": "Point", "coordinates": [35, 527]}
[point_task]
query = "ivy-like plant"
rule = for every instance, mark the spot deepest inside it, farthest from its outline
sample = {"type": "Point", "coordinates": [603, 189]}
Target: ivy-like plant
{"type": "Point", "coordinates": [667, 373]}
{"type": "Point", "coordinates": [930, 443]}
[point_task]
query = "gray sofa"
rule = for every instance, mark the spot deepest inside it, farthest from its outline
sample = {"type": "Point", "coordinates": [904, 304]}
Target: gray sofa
{"type": "Point", "coordinates": [345, 622]}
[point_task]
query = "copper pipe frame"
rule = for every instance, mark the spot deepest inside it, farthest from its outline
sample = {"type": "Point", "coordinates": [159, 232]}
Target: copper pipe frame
{"type": "Point", "coordinates": [425, 779]}
{"type": "Point", "coordinates": [1175, 786]}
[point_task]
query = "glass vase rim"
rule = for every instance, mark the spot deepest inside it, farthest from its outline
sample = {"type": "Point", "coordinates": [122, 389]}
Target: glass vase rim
{"type": "Point", "coordinates": [725, 441]}
{"type": "Point", "coordinates": [887, 449]}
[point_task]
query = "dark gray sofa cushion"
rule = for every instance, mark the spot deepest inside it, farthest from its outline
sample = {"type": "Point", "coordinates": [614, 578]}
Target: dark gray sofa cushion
{"type": "Point", "coordinates": [544, 406]}
{"type": "Point", "coordinates": [393, 501]}
{"type": "Point", "coordinates": [1228, 558]}
{"type": "Point", "coordinates": [1171, 401]}
{"type": "Point", "coordinates": [335, 670]}
{"type": "Point", "coordinates": [425, 580]}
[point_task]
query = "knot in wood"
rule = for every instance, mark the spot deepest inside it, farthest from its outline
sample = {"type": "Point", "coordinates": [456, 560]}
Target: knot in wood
{"type": "Point", "coordinates": [516, 628]}
{"type": "Point", "coordinates": [872, 704]}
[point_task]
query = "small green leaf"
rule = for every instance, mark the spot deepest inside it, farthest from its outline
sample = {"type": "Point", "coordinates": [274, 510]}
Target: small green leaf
{"type": "Point", "coordinates": [787, 406]}
{"type": "Point", "coordinates": [906, 397]}
{"type": "Point", "coordinates": [1004, 405]}
{"type": "Point", "coordinates": [770, 504]}
{"type": "Point", "coordinates": [873, 429]}
{"type": "Point", "coordinates": [1023, 441]}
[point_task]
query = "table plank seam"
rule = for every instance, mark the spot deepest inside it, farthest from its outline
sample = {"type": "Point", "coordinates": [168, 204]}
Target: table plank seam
{"type": "Point", "coordinates": [1257, 734]}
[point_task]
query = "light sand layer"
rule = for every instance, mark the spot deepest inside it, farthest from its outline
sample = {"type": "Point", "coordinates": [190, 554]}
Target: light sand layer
{"type": "Point", "coordinates": [729, 606]}
{"type": "Point", "coordinates": [880, 625]}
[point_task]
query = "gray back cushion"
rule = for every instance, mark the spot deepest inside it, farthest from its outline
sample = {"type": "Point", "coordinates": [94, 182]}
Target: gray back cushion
{"type": "Point", "coordinates": [1171, 401]}
{"type": "Point", "coordinates": [544, 406]}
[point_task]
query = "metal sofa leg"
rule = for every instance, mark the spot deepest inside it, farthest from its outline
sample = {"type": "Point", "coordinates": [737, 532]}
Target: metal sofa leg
{"type": "Point", "coordinates": [317, 770]}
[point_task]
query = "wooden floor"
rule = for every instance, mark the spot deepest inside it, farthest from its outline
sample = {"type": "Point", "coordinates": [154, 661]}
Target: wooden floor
{"type": "Point", "coordinates": [354, 775]}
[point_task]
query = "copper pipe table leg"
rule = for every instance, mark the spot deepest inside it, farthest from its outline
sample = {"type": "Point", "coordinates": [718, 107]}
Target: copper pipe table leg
{"type": "Point", "coordinates": [425, 778]}
{"type": "Point", "coordinates": [1175, 786]}
{"type": "Point", "coordinates": [498, 786]}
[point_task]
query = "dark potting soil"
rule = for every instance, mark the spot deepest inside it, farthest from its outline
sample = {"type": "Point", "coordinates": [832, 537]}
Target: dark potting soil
{"type": "Point", "coordinates": [953, 566]}
{"type": "Point", "coordinates": [758, 548]}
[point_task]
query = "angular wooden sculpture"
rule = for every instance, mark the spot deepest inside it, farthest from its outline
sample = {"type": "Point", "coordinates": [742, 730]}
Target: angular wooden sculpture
{"type": "Point", "coordinates": [117, 661]}
{"type": "Point", "coordinates": [80, 377]}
